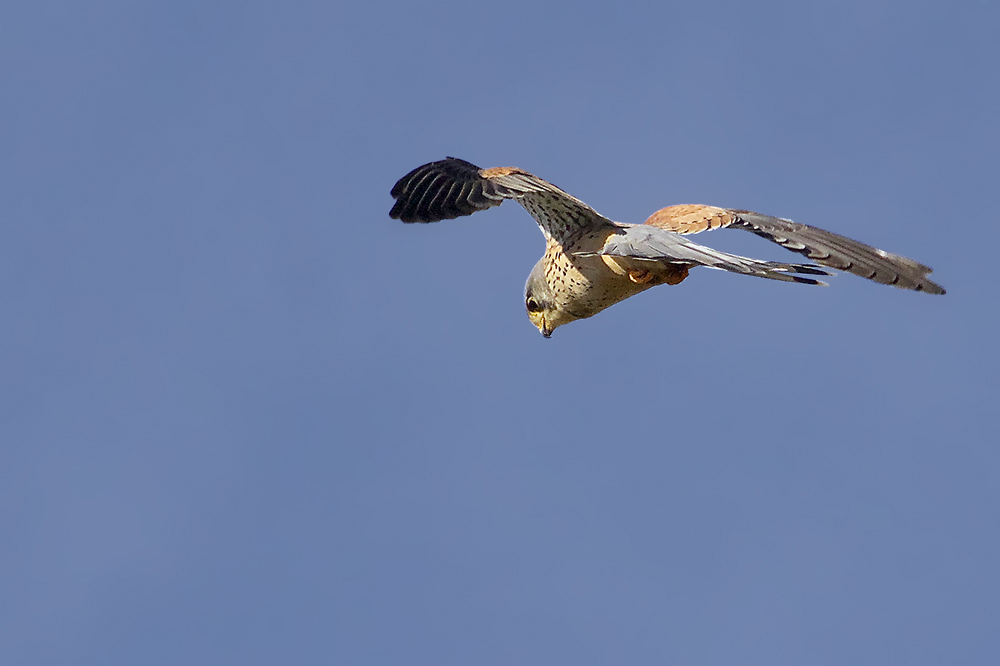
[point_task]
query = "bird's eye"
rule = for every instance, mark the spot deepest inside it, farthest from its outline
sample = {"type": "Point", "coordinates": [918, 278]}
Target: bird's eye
{"type": "Point", "coordinates": [532, 305]}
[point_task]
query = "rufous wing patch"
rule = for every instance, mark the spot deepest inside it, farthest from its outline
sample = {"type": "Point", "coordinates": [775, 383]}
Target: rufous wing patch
{"type": "Point", "coordinates": [690, 218]}
{"type": "Point", "coordinates": [496, 172]}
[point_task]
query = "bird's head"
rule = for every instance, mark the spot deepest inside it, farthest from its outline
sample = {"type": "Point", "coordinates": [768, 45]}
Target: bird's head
{"type": "Point", "coordinates": [540, 303]}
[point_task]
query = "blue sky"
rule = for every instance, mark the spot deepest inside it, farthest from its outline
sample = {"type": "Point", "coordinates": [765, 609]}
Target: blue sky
{"type": "Point", "coordinates": [248, 418]}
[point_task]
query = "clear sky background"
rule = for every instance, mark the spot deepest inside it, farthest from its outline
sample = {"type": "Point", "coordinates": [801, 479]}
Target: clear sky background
{"type": "Point", "coordinates": [247, 418]}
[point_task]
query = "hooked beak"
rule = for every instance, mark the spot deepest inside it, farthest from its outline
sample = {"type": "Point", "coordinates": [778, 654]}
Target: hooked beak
{"type": "Point", "coordinates": [538, 321]}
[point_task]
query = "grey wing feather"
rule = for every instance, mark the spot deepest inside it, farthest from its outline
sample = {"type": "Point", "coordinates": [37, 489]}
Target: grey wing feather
{"type": "Point", "coordinates": [840, 252]}
{"type": "Point", "coordinates": [654, 244]}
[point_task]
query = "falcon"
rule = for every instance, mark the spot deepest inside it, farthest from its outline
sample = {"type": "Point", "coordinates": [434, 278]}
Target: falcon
{"type": "Point", "coordinates": [591, 262]}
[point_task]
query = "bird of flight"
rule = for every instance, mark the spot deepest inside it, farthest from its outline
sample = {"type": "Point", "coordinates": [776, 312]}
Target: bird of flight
{"type": "Point", "coordinates": [591, 263]}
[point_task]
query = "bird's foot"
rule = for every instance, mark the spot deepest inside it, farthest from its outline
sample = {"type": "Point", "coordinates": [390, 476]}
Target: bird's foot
{"type": "Point", "coordinates": [640, 276]}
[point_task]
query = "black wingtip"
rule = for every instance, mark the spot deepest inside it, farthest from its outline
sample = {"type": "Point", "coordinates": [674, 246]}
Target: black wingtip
{"type": "Point", "coordinates": [928, 287]}
{"type": "Point", "coordinates": [442, 190]}
{"type": "Point", "coordinates": [802, 280]}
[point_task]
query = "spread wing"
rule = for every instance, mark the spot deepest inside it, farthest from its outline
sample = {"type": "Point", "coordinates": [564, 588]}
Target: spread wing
{"type": "Point", "coordinates": [453, 188]}
{"type": "Point", "coordinates": [823, 247]}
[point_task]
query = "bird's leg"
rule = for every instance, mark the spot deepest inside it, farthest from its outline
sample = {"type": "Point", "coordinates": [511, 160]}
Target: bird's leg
{"type": "Point", "coordinates": [671, 274]}
{"type": "Point", "coordinates": [640, 275]}
{"type": "Point", "coordinates": [676, 276]}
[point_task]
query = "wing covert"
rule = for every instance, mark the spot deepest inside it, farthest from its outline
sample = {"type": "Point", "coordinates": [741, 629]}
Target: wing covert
{"type": "Point", "coordinates": [690, 218]}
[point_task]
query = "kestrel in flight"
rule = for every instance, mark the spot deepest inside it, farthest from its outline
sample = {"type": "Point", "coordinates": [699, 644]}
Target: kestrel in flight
{"type": "Point", "coordinates": [591, 263]}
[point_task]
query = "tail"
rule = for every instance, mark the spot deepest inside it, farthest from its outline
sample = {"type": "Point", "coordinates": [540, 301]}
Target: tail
{"type": "Point", "coordinates": [645, 243]}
